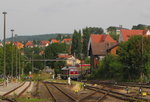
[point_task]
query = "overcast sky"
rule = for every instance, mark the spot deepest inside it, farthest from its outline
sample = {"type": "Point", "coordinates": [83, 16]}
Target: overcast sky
{"type": "Point", "coordinates": [63, 16]}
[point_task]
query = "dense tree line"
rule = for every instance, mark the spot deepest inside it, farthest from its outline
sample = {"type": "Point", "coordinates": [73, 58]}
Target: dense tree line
{"type": "Point", "coordinates": [132, 62]}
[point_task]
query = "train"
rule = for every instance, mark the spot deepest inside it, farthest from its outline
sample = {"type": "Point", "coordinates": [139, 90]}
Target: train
{"type": "Point", "coordinates": [75, 72]}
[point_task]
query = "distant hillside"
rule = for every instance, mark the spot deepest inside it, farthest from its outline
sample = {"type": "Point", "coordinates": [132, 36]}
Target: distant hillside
{"type": "Point", "coordinates": [37, 37]}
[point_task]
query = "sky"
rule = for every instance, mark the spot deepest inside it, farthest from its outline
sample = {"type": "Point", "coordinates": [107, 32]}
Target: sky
{"type": "Point", "coordinates": [32, 17]}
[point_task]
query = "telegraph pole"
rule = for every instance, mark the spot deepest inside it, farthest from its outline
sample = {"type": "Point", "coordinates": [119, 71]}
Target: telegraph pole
{"type": "Point", "coordinates": [12, 31]}
{"type": "Point", "coordinates": [4, 44]}
{"type": "Point", "coordinates": [16, 62]}
{"type": "Point", "coordinates": [19, 64]}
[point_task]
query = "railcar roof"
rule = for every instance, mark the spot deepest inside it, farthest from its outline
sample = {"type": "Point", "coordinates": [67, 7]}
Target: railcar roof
{"type": "Point", "coordinates": [66, 68]}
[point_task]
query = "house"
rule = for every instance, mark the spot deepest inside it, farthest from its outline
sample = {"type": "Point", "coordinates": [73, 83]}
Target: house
{"type": "Point", "coordinates": [97, 47]}
{"type": "Point", "coordinates": [44, 43]}
{"type": "Point", "coordinates": [19, 45]}
{"type": "Point", "coordinates": [29, 44]}
{"type": "Point", "coordinates": [54, 41]}
{"type": "Point", "coordinates": [67, 41]}
{"type": "Point", "coordinates": [126, 34]}
{"type": "Point", "coordinates": [70, 60]}
{"type": "Point", "coordinates": [64, 56]}
{"type": "Point", "coordinates": [113, 49]}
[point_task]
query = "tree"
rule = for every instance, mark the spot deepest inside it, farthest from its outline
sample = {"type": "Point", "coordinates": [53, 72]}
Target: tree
{"type": "Point", "coordinates": [76, 48]}
{"type": "Point", "coordinates": [109, 68]}
{"type": "Point", "coordinates": [135, 56]}
{"type": "Point", "coordinates": [38, 65]}
{"type": "Point", "coordinates": [141, 27]}
{"type": "Point", "coordinates": [113, 32]}
{"type": "Point", "coordinates": [52, 51]}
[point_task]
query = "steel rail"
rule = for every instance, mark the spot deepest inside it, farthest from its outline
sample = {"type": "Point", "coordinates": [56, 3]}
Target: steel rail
{"type": "Point", "coordinates": [24, 90]}
{"type": "Point", "coordinates": [125, 84]}
{"type": "Point", "coordinates": [99, 99]}
{"type": "Point", "coordinates": [13, 89]}
{"type": "Point", "coordinates": [71, 97]}
{"type": "Point", "coordinates": [53, 96]}
{"type": "Point", "coordinates": [119, 95]}
{"type": "Point", "coordinates": [55, 83]}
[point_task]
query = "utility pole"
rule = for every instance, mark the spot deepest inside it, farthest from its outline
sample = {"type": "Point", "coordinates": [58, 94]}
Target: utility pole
{"type": "Point", "coordinates": [4, 44]}
{"type": "Point", "coordinates": [12, 30]}
{"type": "Point", "coordinates": [19, 64]}
{"type": "Point", "coordinates": [142, 73]}
{"type": "Point", "coordinates": [81, 66]}
{"type": "Point", "coordinates": [16, 62]}
{"type": "Point", "coordinates": [32, 62]}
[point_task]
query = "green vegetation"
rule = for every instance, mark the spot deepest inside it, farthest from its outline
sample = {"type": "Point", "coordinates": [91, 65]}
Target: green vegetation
{"type": "Point", "coordinates": [109, 68]}
{"type": "Point", "coordinates": [132, 62]}
{"type": "Point", "coordinates": [76, 44]}
{"type": "Point", "coordinates": [26, 99]}
{"type": "Point", "coordinates": [141, 27]}
{"type": "Point", "coordinates": [18, 60]}
{"type": "Point", "coordinates": [113, 33]}
{"type": "Point", "coordinates": [52, 51]}
{"type": "Point", "coordinates": [37, 37]}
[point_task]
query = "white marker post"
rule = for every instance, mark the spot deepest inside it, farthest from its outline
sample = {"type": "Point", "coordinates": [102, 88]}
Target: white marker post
{"type": "Point", "coordinates": [69, 81]}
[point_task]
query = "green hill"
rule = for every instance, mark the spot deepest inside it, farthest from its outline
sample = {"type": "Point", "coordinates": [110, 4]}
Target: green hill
{"type": "Point", "coordinates": [38, 37]}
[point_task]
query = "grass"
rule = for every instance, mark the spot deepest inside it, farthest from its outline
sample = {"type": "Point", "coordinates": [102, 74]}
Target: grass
{"type": "Point", "coordinates": [31, 100]}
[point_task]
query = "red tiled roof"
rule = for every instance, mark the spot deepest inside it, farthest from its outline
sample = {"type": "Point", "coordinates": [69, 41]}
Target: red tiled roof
{"type": "Point", "coordinates": [29, 43]}
{"type": "Point", "coordinates": [44, 42]}
{"type": "Point", "coordinates": [18, 45]}
{"type": "Point", "coordinates": [67, 40]}
{"type": "Point", "coordinates": [126, 34]}
{"type": "Point", "coordinates": [54, 41]}
{"type": "Point", "coordinates": [101, 38]}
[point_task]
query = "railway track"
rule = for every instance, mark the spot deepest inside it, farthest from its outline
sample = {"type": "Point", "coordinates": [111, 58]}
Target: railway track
{"type": "Point", "coordinates": [58, 94]}
{"type": "Point", "coordinates": [96, 96]}
{"type": "Point", "coordinates": [117, 94]}
{"type": "Point", "coordinates": [124, 84]}
{"type": "Point", "coordinates": [16, 91]}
